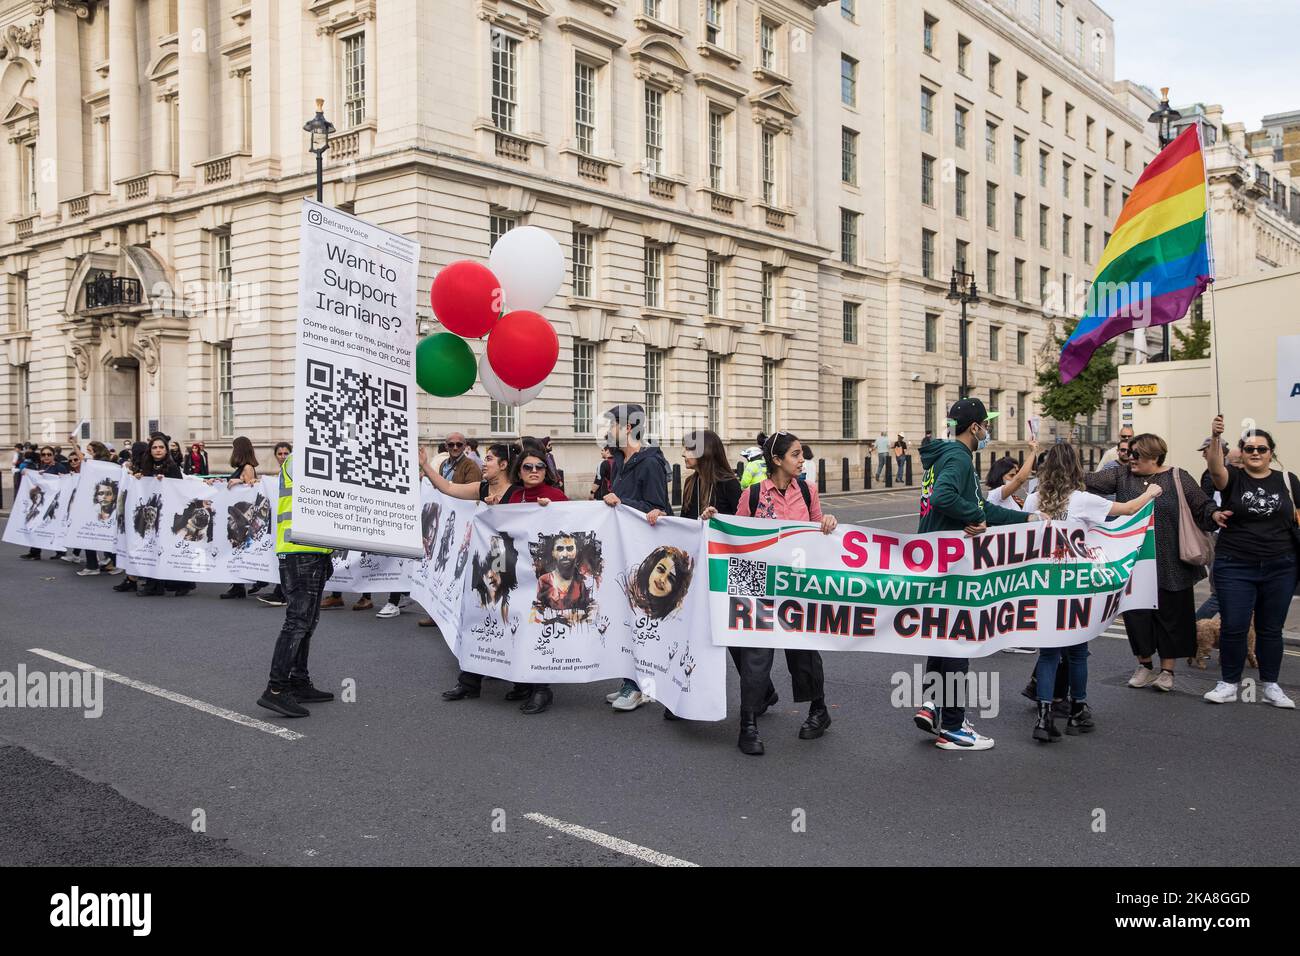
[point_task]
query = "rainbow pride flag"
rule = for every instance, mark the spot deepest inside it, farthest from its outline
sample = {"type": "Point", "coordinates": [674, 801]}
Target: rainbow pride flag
{"type": "Point", "coordinates": [1158, 258]}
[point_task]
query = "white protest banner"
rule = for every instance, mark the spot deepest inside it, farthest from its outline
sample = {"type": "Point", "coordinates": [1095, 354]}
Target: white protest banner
{"type": "Point", "coordinates": [142, 514]}
{"type": "Point", "coordinates": [354, 462]}
{"type": "Point", "coordinates": [1041, 584]}
{"type": "Point", "coordinates": [438, 578]}
{"type": "Point", "coordinates": [1288, 378]}
{"type": "Point", "coordinates": [40, 510]}
{"type": "Point", "coordinates": [92, 514]}
{"type": "Point", "coordinates": [250, 531]}
{"type": "Point", "coordinates": [191, 549]}
{"type": "Point", "coordinates": [577, 592]}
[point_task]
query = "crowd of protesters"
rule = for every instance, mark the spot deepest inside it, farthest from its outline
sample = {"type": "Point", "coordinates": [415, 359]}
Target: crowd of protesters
{"type": "Point", "coordinates": [1238, 524]}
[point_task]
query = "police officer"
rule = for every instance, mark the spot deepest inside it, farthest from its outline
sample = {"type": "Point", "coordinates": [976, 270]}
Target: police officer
{"type": "Point", "coordinates": [303, 573]}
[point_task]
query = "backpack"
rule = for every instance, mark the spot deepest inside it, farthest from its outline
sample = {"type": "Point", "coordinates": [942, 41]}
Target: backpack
{"type": "Point", "coordinates": [803, 489]}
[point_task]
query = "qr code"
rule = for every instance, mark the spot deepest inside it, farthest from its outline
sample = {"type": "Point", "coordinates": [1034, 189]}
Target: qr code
{"type": "Point", "coordinates": [358, 432]}
{"type": "Point", "coordinates": [748, 578]}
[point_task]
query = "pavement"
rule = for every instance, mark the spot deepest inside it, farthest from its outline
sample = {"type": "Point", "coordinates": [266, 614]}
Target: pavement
{"type": "Point", "coordinates": [183, 767]}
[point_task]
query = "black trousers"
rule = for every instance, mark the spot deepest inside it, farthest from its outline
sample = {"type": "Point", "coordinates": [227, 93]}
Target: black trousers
{"type": "Point", "coordinates": [470, 679]}
{"type": "Point", "coordinates": [755, 665]}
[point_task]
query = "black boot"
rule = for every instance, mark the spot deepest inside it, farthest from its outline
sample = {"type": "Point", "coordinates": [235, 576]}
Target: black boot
{"type": "Point", "coordinates": [772, 698]}
{"type": "Point", "coordinates": [236, 591]}
{"type": "Point", "coordinates": [126, 584]}
{"type": "Point", "coordinates": [1080, 721]}
{"type": "Point", "coordinates": [749, 742]}
{"type": "Point", "coordinates": [1045, 727]}
{"type": "Point", "coordinates": [819, 718]}
{"type": "Point", "coordinates": [538, 700]}
{"type": "Point", "coordinates": [1031, 689]}
{"type": "Point", "coordinates": [460, 692]}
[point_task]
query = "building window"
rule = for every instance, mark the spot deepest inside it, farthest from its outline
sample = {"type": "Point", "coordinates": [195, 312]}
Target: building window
{"type": "Point", "coordinates": [767, 296]}
{"type": "Point", "coordinates": [1110, 142]}
{"type": "Point", "coordinates": [1022, 407]}
{"type": "Point", "coordinates": [963, 56]}
{"type": "Point", "coordinates": [995, 400]}
{"type": "Point", "coordinates": [927, 180]}
{"type": "Point", "coordinates": [1087, 243]}
{"type": "Point", "coordinates": [1065, 178]}
{"type": "Point", "coordinates": [1036, 14]}
{"type": "Point", "coordinates": [1128, 156]}
{"type": "Point", "coordinates": [1042, 168]}
{"type": "Point", "coordinates": [1087, 189]}
{"type": "Point", "coordinates": [932, 409]}
{"type": "Point", "coordinates": [931, 332]}
{"type": "Point", "coordinates": [1078, 39]}
{"type": "Point", "coordinates": [961, 193]}
{"type": "Point", "coordinates": [849, 319]}
{"type": "Point", "coordinates": [1022, 83]}
{"type": "Point", "coordinates": [848, 236]}
{"type": "Point", "coordinates": [505, 81]}
{"type": "Point", "coordinates": [991, 205]}
{"type": "Point", "coordinates": [246, 110]}
{"type": "Point", "coordinates": [849, 407]}
{"type": "Point", "coordinates": [1088, 125]}
{"type": "Point", "coordinates": [173, 107]}
{"type": "Point", "coordinates": [848, 80]}
{"type": "Point", "coordinates": [1043, 273]}
{"type": "Point", "coordinates": [994, 63]}
{"type": "Point", "coordinates": [22, 307]}
{"type": "Point", "coordinates": [959, 257]}
{"type": "Point", "coordinates": [503, 418]}
{"type": "Point", "coordinates": [1018, 274]}
{"type": "Point", "coordinates": [959, 126]}
{"type": "Point", "coordinates": [31, 200]}
{"type": "Point", "coordinates": [927, 253]}
{"type": "Point", "coordinates": [1022, 339]}
{"type": "Point", "coordinates": [222, 271]}
{"type": "Point", "coordinates": [848, 156]}
{"type": "Point", "coordinates": [583, 263]}
{"type": "Point", "coordinates": [713, 285]}
{"type": "Point", "coordinates": [717, 147]}
{"type": "Point", "coordinates": [713, 22]}
{"type": "Point", "coordinates": [995, 335]}
{"type": "Point", "coordinates": [354, 79]}
{"type": "Point", "coordinates": [991, 272]}
{"type": "Point", "coordinates": [1059, 31]}
{"type": "Point", "coordinates": [1046, 107]}
{"type": "Point", "coordinates": [653, 274]}
{"type": "Point", "coordinates": [1018, 215]}
{"type": "Point", "coordinates": [1018, 156]}
{"type": "Point", "coordinates": [1069, 121]}
{"type": "Point", "coordinates": [768, 161]}
{"type": "Point", "coordinates": [848, 8]}
{"type": "Point", "coordinates": [1042, 228]}
{"type": "Point", "coordinates": [225, 393]}
{"type": "Point", "coordinates": [713, 392]}
{"type": "Point", "coordinates": [654, 394]}
{"type": "Point", "coordinates": [498, 226]}
{"type": "Point", "coordinates": [769, 396]}
{"type": "Point", "coordinates": [654, 130]}
{"type": "Point", "coordinates": [927, 110]}
{"type": "Point", "coordinates": [927, 33]}
{"type": "Point", "coordinates": [1105, 199]}
{"type": "Point", "coordinates": [584, 385]}
{"type": "Point", "coordinates": [767, 44]}
{"type": "Point", "coordinates": [584, 106]}
{"type": "Point", "coordinates": [653, 8]}
{"type": "Point", "coordinates": [1065, 235]}
{"type": "Point", "coordinates": [991, 142]}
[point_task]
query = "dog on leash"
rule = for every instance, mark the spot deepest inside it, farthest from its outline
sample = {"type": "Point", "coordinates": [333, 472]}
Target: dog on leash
{"type": "Point", "coordinates": [1207, 639]}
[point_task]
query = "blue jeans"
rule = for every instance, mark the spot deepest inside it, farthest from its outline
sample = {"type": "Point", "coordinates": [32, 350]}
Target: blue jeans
{"type": "Point", "coordinates": [303, 577]}
{"type": "Point", "coordinates": [1261, 588]}
{"type": "Point", "coordinates": [1076, 657]}
{"type": "Point", "coordinates": [882, 465]}
{"type": "Point", "coordinates": [1209, 609]}
{"type": "Point", "coordinates": [898, 477]}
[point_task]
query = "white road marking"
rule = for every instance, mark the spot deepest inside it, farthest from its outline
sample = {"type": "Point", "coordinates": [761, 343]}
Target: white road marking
{"type": "Point", "coordinates": [215, 711]}
{"type": "Point", "coordinates": [608, 842]}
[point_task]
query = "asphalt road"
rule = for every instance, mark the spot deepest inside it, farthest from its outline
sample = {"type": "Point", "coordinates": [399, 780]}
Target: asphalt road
{"type": "Point", "coordinates": [401, 777]}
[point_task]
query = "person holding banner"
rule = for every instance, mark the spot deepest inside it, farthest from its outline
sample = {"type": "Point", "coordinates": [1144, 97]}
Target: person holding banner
{"type": "Point", "coordinates": [950, 501]}
{"type": "Point", "coordinates": [641, 483]}
{"type": "Point", "coordinates": [781, 496]}
{"type": "Point", "coordinates": [159, 463]}
{"type": "Point", "coordinates": [244, 462]}
{"type": "Point", "coordinates": [48, 465]}
{"type": "Point", "coordinates": [1254, 562]}
{"type": "Point", "coordinates": [303, 572]}
{"type": "Point", "coordinates": [1061, 496]}
{"type": "Point", "coordinates": [1170, 629]}
{"type": "Point", "coordinates": [276, 598]}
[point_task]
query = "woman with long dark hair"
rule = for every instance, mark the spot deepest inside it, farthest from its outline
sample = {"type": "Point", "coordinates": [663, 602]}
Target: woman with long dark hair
{"type": "Point", "coordinates": [159, 463]}
{"type": "Point", "coordinates": [135, 463]}
{"type": "Point", "coordinates": [781, 496]}
{"type": "Point", "coordinates": [1254, 560]}
{"type": "Point", "coordinates": [98, 451]}
{"type": "Point", "coordinates": [243, 461]}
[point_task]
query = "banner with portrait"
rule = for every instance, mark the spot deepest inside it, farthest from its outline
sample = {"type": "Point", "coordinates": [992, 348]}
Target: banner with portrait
{"type": "Point", "coordinates": [40, 510]}
{"type": "Point", "coordinates": [92, 512]}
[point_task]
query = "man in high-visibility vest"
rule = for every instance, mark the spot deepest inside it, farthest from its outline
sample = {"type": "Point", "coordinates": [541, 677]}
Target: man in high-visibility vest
{"type": "Point", "coordinates": [303, 573]}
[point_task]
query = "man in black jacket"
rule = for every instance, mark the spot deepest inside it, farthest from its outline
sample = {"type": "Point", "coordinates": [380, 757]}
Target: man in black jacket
{"type": "Point", "coordinates": [640, 482]}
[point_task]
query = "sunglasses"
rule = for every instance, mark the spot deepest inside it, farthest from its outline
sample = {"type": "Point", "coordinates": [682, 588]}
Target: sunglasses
{"type": "Point", "coordinates": [534, 466]}
{"type": "Point", "coordinates": [455, 444]}
{"type": "Point", "coordinates": [1255, 449]}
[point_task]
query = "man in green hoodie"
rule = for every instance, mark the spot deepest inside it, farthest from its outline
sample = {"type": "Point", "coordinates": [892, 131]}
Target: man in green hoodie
{"type": "Point", "coordinates": [951, 501]}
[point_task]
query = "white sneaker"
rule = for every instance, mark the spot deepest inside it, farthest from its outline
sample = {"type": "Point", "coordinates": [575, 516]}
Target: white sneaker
{"type": "Point", "coordinates": [1273, 694]}
{"type": "Point", "coordinates": [69, 557]}
{"type": "Point", "coordinates": [1223, 693]}
{"type": "Point", "coordinates": [404, 601]}
{"type": "Point", "coordinates": [610, 698]}
{"type": "Point", "coordinates": [389, 610]}
{"type": "Point", "coordinates": [629, 699]}
{"type": "Point", "coordinates": [1143, 677]}
{"type": "Point", "coordinates": [1164, 681]}
{"type": "Point", "coordinates": [966, 738]}
{"type": "Point", "coordinates": [113, 570]}
{"type": "Point", "coordinates": [87, 572]}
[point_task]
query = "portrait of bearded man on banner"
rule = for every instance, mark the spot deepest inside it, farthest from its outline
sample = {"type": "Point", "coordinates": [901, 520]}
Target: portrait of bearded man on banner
{"type": "Point", "coordinates": [493, 575]}
{"type": "Point", "coordinates": [658, 585]}
{"type": "Point", "coordinates": [568, 567]}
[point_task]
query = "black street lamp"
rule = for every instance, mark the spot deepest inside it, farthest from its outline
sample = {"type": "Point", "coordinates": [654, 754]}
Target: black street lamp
{"type": "Point", "coordinates": [1165, 118]}
{"type": "Point", "coordinates": [962, 288]}
{"type": "Point", "coordinates": [319, 128]}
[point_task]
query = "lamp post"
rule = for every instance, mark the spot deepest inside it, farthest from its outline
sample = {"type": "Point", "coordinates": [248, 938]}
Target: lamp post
{"type": "Point", "coordinates": [962, 288]}
{"type": "Point", "coordinates": [1164, 118]}
{"type": "Point", "coordinates": [319, 129]}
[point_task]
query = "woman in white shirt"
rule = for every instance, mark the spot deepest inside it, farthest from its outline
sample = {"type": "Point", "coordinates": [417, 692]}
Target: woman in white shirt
{"type": "Point", "coordinates": [1061, 495]}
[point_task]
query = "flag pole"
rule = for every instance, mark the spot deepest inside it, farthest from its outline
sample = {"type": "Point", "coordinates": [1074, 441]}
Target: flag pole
{"type": "Point", "coordinates": [1209, 248]}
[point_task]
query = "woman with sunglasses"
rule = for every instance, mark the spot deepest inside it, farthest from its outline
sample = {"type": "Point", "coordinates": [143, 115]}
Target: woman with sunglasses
{"type": "Point", "coordinates": [1254, 560]}
{"type": "Point", "coordinates": [783, 497]}
{"type": "Point", "coordinates": [1170, 629]}
{"type": "Point", "coordinates": [48, 464]}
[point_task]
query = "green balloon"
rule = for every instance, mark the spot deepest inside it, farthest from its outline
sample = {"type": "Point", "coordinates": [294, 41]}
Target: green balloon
{"type": "Point", "coordinates": [444, 365]}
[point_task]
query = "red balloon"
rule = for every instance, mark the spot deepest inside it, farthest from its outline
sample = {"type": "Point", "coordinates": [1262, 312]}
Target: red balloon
{"type": "Point", "coordinates": [523, 349]}
{"type": "Point", "coordinates": [466, 297]}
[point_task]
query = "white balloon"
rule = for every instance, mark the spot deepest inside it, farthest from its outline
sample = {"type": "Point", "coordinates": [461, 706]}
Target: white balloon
{"type": "Point", "coordinates": [502, 392]}
{"type": "Point", "coordinates": [529, 264]}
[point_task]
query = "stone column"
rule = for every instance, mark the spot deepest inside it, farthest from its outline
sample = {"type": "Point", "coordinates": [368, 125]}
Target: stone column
{"type": "Point", "coordinates": [58, 151]}
{"type": "Point", "coordinates": [123, 91]}
{"type": "Point", "coordinates": [192, 69]}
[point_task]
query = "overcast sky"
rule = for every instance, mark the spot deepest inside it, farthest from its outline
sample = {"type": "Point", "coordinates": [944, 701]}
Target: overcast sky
{"type": "Point", "coordinates": [1239, 53]}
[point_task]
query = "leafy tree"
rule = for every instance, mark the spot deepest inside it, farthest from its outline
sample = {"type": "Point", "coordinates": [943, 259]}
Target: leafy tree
{"type": "Point", "coordinates": [1194, 343]}
{"type": "Point", "coordinates": [1082, 395]}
